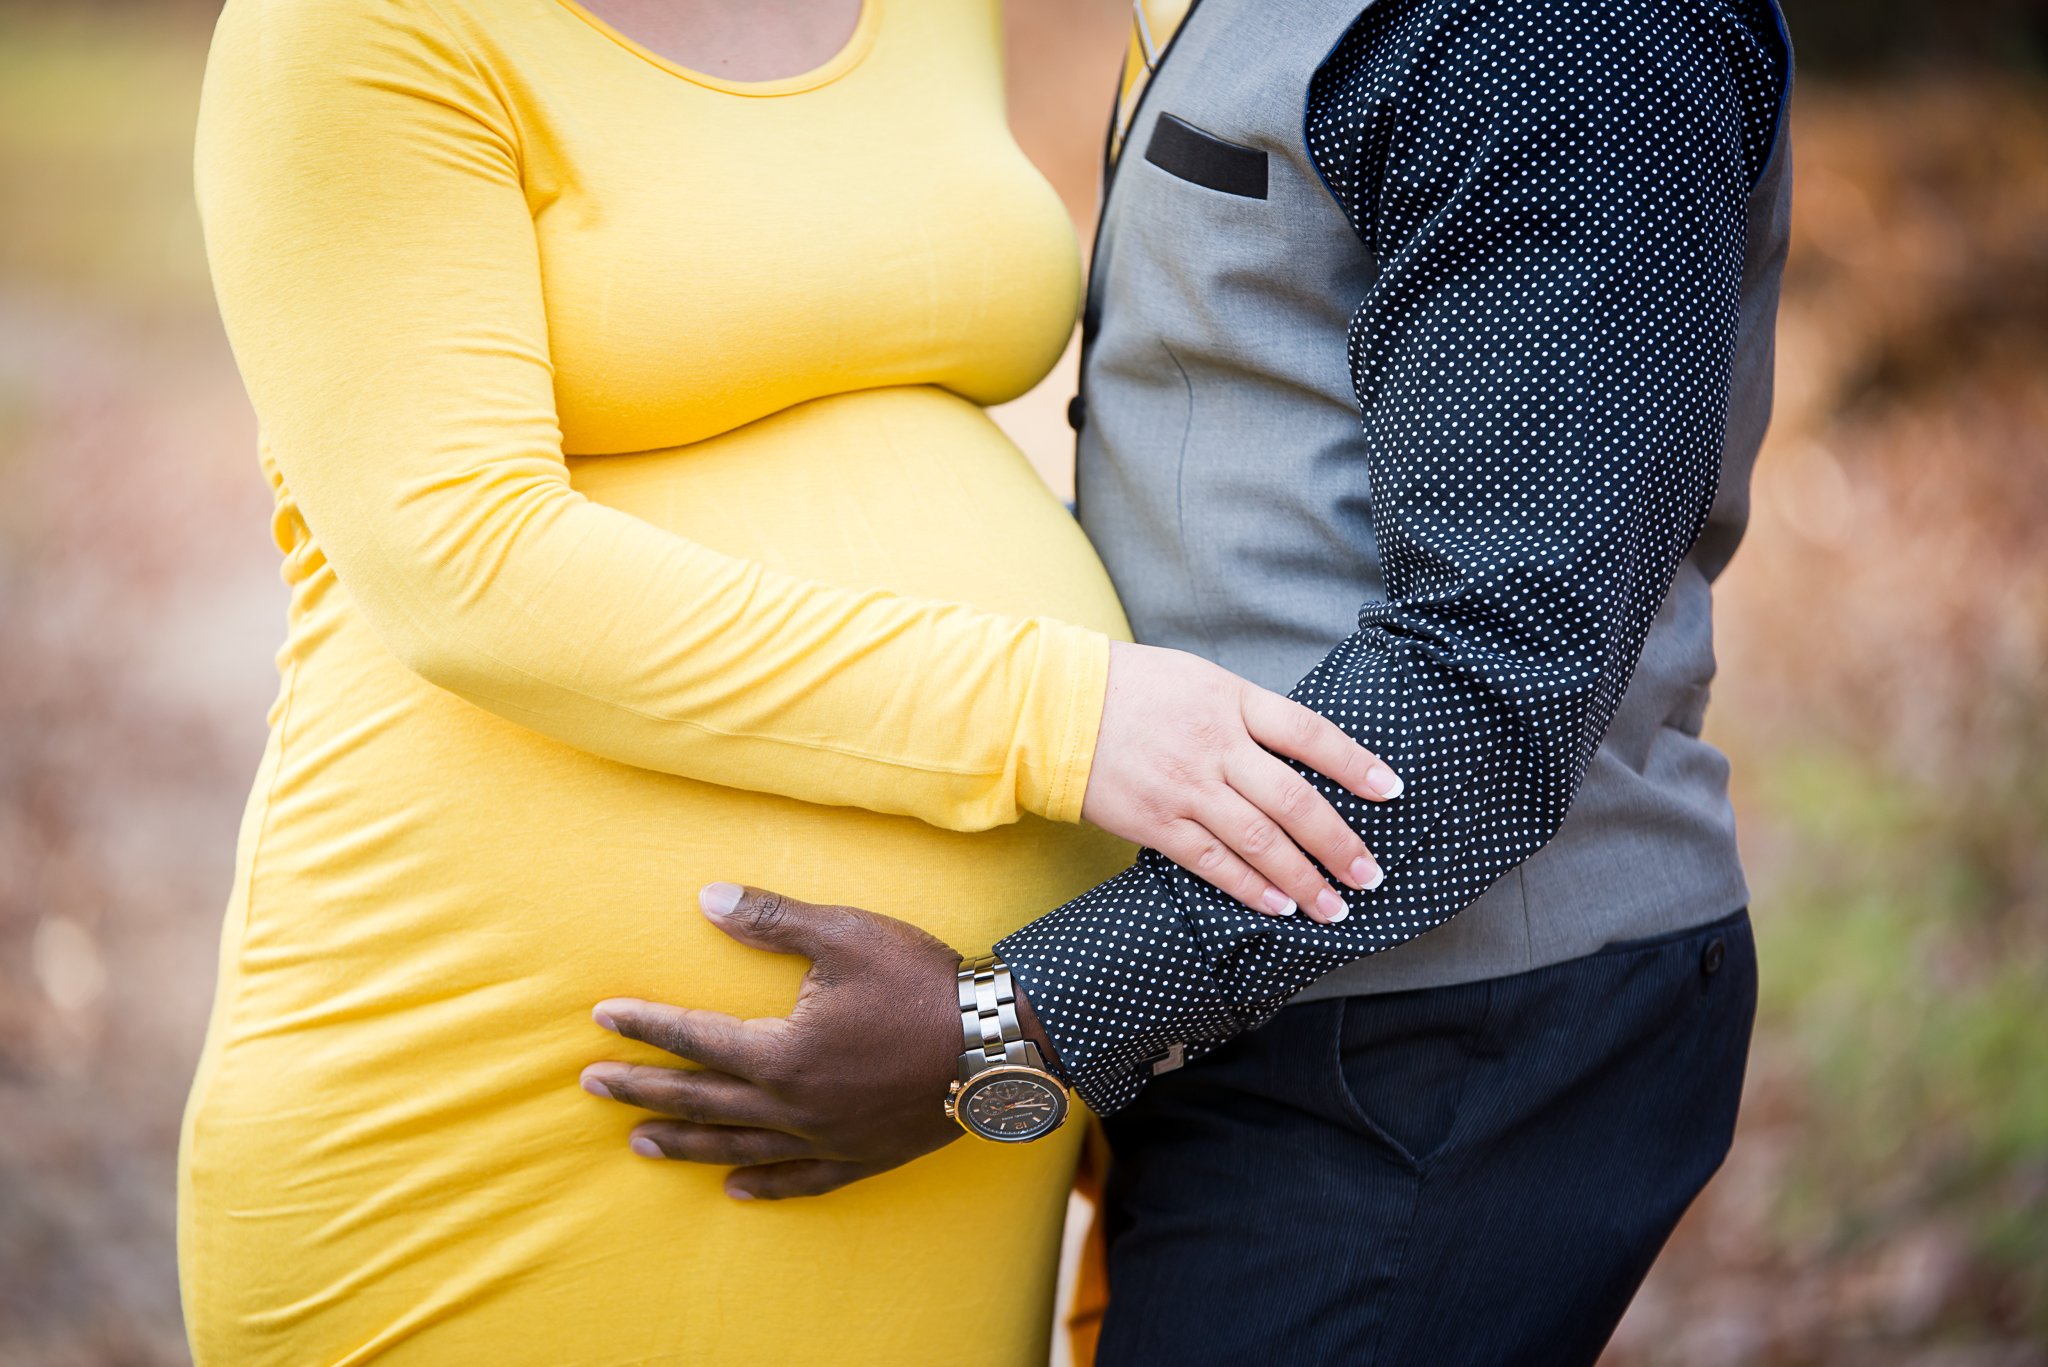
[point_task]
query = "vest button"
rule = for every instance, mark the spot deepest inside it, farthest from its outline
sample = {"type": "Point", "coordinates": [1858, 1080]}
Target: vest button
{"type": "Point", "coordinates": [1710, 962]}
{"type": "Point", "coordinates": [1077, 412]}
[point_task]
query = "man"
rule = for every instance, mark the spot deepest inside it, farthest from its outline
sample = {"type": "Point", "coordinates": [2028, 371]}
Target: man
{"type": "Point", "coordinates": [1461, 310]}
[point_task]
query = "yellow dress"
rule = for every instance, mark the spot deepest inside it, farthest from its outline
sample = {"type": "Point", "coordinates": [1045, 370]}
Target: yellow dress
{"type": "Point", "coordinates": [643, 529]}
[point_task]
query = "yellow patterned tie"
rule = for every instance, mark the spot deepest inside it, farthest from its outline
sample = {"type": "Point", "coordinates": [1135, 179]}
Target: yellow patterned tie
{"type": "Point", "coordinates": [1153, 24]}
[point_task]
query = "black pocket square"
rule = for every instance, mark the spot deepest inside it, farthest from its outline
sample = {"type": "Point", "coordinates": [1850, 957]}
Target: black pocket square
{"type": "Point", "coordinates": [1181, 149]}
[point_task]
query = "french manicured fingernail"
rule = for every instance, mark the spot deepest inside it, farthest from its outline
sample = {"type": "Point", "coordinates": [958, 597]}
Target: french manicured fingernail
{"type": "Point", "coordinates": [718, 899]}
{"type": "Point", "coordinates": [594, 1085]}
{"type": "Point", "coordinates": [1365, 874]}
{"type": "Point", "coordinates": [739, 1193]}
{"type": "Point", "coordinates": [1384, 781]}
{"type": "Point", "coordinates": [1278, 902]}
{"type": "Point", "coordinates": [604, 1019]}
{"type": "Point", "coordinates": [645, 1147]}
{"type": "Point", "coordinates": [1331, 905]}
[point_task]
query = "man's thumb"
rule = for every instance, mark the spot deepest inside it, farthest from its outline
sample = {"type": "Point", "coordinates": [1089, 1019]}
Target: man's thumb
{"type": "Point", "coordinates": [768, 920]}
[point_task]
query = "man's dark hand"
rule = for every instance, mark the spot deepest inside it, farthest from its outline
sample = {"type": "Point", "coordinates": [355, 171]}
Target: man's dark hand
{"type": "Point", "coordinates": [851, 1083]}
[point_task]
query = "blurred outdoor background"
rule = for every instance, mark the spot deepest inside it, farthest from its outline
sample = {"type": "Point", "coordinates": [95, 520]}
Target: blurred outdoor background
{"type": "Point", "coordinates": [1884, 689]}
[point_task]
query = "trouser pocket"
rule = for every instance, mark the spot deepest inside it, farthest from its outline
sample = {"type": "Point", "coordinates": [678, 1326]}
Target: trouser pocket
{"type": "Point", "coordinates": [1402, 1062]}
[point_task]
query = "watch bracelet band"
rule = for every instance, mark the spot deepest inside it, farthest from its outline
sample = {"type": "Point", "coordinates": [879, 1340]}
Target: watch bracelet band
{"type": "Point", "coordinates": [989, 1026]}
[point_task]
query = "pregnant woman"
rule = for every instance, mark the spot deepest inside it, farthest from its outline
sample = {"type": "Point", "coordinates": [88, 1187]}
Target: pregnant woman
{"type": "Point", "coordinates": [620, 373]}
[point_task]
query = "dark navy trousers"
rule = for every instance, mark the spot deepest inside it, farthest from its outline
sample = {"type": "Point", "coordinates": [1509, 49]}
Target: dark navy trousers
{"type": "Point", "coordinates": [1467, 1176]}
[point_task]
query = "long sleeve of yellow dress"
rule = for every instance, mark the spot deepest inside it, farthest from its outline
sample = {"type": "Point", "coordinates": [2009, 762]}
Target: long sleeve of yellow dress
{"type": "Point", "coordinates": [373, 247]}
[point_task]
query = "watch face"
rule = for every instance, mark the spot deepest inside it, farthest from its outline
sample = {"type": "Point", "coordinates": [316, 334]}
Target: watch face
{"type": "Point", "coordinates": [1012, 1105]}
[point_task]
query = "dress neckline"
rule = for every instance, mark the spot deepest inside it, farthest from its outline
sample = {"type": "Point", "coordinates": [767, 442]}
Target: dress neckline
{"type": "Point", "coordinates": [838, 64]}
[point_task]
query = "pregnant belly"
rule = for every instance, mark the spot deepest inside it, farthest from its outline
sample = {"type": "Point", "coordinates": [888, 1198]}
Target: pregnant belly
{"type": "Point", "coordinates": [420, 878]}
{"type": "Point", "coordinates": [913, 490]}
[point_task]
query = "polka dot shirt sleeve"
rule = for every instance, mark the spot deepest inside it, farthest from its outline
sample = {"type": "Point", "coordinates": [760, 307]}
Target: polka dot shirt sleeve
{"type": "Point", "coordinates": [1556, 198]}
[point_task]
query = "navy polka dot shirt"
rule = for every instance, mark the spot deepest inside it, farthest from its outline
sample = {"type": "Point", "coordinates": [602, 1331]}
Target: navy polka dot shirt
{"type": "Point", "coordinates": [1556, 196]}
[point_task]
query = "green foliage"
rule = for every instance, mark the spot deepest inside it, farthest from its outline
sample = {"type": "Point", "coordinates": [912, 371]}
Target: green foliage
{"type": "Point", "coordinates": [1914, 996]}
{"type": "Point", "coordinates": [96, 139]}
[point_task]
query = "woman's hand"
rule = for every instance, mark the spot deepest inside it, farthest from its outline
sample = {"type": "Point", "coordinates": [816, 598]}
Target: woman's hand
{"type": "Point", "coordinates": [1182, 765]}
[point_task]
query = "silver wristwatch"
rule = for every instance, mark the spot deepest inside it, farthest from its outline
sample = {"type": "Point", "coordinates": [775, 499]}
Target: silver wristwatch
{"type": "Point", "coordinates": [1004, 1092]}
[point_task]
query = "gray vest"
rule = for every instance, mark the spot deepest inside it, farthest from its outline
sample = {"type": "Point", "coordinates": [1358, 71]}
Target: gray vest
{"type": "Point", "coordinates": [1222, 476]}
